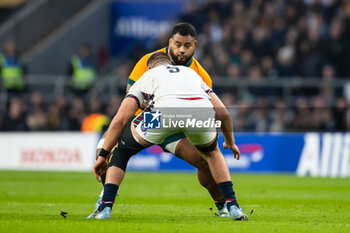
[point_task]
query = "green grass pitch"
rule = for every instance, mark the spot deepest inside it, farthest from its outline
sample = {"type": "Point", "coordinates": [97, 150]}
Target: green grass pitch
{"type": "Point", "coordinates": [171, 202]}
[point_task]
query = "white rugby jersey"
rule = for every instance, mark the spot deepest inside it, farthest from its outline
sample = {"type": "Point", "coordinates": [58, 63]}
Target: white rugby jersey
{"type": "Point", "coordinates": [169, 82]}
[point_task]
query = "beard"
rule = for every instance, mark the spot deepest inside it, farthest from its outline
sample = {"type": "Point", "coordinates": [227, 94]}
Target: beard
{"type": "Point", "coordinates": [177, 61]}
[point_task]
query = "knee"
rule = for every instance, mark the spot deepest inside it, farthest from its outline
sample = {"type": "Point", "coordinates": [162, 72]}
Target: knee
{"type": "Point", "coordinates": [198, 160]}
{"type": "Point", "coordinates": [201, 165]}
{"type": "Point", "coordinates": [215, 152]}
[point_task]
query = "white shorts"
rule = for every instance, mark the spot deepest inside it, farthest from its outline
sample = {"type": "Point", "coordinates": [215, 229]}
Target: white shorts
{"type": "Point", "coordinates": [196, 135]}
{"type": "Point", "coordinates": [171, 147]}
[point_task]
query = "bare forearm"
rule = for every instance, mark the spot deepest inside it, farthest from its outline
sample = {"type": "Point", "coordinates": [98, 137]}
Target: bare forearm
{"type": "Point", "coordinates": [224, 116]}
{"type": "Point", "coordinates": [227, 128]}
{"type": "Point", "coordinates": [120, 120]}
{"type": "Point", "coordinates": [112, 135]}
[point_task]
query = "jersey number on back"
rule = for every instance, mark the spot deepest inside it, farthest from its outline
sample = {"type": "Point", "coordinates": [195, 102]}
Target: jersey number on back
{"type": "Point", "coordinates": [173, 69]}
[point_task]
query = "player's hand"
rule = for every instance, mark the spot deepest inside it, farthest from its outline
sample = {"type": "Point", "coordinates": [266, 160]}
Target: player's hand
{"type": "Point", "coordinates": [233, 148]}
{"type": "Point", "coordinates": [100, 167]}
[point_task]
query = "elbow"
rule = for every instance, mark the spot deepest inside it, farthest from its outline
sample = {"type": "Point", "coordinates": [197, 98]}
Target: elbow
{"type": "Point", "coordinates": [222, 114]}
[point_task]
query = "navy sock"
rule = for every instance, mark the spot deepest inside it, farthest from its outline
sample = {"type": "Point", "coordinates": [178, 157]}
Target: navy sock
{"type": "Point", "coordinates": [220, 204]}
{"type": "Point", "coordinates": [226, 189]}
{"type": "Point", "coordinates": [109, 193]}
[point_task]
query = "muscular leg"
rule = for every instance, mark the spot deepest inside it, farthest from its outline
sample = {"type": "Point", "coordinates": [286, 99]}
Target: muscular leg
{"type": "Point", "coordinates": [188, 152]}
{"type": "Point", "coordinates": [114, 175]}
{"type": "Point", "coordinates": [217, 165]}
{"type": "Point", "coordinates": [127, 147]}
{"type": "Point", "coordinates": [221, 175]}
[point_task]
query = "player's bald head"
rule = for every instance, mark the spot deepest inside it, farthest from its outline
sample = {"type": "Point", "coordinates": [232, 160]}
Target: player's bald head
{"type": "Point", "coordinates": [157, 59]}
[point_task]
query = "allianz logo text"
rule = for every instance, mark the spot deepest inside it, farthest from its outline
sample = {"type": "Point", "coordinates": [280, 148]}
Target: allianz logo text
{"type": "Point", "coordinates": [325, 154]}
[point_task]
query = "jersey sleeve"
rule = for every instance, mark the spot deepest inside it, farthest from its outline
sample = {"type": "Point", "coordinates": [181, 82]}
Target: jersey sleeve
{"type": "Point", "coordinates": [205, 87]}
{"type": "Point", "coordinates": [204, 75]}
{"type": "Point", "coordinates": [136, 90]}
{"type": "Point", "coordinates": [139, 69]}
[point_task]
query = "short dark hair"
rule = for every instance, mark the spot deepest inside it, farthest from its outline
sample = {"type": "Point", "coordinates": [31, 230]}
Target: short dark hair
{"type": "Point", "coordinates": [158, 57]}
{"type": "Point", "coordinates": [184, 29]}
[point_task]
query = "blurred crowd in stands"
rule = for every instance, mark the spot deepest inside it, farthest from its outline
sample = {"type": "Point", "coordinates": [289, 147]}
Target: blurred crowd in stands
{"type": "Point", "coordinates": [65, 114]}
{"type": "Point", "coordinates": [34, 114]}
{"type": "Point", "coordinates": [257, 40]}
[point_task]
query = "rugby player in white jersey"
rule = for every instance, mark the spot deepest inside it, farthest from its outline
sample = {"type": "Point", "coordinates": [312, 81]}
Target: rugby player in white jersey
{"type": "Point", "coordinates": [181, 47]}
{"type": "Point", "coordinates": [167, 86]}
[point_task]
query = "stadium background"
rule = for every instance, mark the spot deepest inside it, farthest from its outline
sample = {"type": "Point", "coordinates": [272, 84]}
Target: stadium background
{"type": "Point", "coordinates": [280, 67]}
